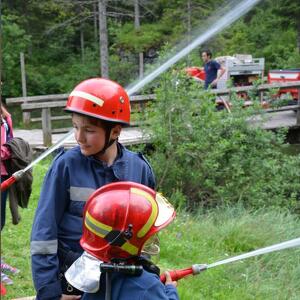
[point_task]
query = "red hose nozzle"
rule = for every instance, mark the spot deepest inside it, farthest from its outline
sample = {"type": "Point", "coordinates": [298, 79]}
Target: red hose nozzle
{"type": "Point", "coordinates": [11, 180]}
{"type": "Point", "coordinates": [7, 183]}
{"type": "Point", "coordinates": [178, 274]}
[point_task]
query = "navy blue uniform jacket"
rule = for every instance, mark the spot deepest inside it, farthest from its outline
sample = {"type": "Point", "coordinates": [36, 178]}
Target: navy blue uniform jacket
{"type": "Point", "coordinates": [144, 287]}
{"type": "Point", "coordinates": [69, 182]}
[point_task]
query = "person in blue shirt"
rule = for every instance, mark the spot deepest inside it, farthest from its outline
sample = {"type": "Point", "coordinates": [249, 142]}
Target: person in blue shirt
{"type": "Point", "coordinates": [120, 226]}
{"type": "Point", "coordinates": [213, 70]}
{"type": "Point", "coordinates": [99, 108]}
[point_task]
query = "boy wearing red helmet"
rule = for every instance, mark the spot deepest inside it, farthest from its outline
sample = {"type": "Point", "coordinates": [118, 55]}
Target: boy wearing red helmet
{"type": "Point", "coordinates": [100, 108]}
{"type": "Point", "coordinates": [120, 221]}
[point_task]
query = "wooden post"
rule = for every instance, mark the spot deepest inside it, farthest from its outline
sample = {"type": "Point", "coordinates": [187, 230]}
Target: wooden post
{"type": "Point", "coordinates": [46, 126]}
{"type": "Point", "coordinates": [95, 17]}
{"type": "Point", "coordinates": [137, 27]}
{"type": "Point", "coordinates": [261, 97]}
{"type": "Point", "coordinates": [298, 110]}
{"type": "Point", "coordinates": [103, 38]}
{"type": "Point", "coordinates": [26, 114]}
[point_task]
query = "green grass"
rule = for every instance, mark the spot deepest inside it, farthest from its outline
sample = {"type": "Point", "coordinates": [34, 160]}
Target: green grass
{"type": "Point", "coordinates": [223, 233]}
{"type": "Point", "coordinates": [199, 238]}
{"type": "Point", "coordinates": [15, 241]}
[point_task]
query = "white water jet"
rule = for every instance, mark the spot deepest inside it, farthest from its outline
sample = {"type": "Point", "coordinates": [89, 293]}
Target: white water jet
{"type": "Point", "coordinates": [285, 245]}
{"type": "Point", "coordinates": [235, 9]}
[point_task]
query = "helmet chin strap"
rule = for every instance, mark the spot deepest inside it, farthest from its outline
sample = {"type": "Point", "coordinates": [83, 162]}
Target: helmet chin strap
{"type": "Point", "coordinates": [108, 140]}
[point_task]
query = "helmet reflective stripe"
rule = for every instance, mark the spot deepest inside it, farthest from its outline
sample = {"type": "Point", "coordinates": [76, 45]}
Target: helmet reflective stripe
{"type": "Point", "coordinates": [96, 227]}
{"type": "Point", "coordinates": [131, 249]}
{"type": "Point", "coordinates": [153, 215]}
{"type": "Point", "coordinates": [102, 230]}
{"type": "Point", "coordinates": [87, 96]}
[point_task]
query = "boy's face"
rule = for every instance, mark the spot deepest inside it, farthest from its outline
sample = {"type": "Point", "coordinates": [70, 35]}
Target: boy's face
{"type": "Point", "coordinates": [89, 136]}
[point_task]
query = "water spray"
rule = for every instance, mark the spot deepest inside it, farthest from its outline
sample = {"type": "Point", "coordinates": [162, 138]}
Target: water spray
{"type": "Point", "coordinates": [17, 175]}
{"type": "Point", "coordinates": [235, 12]}
{"type": "Point", "coordinates": [198, 268]}
{"type": "Point", "coordinates": [235, 9]}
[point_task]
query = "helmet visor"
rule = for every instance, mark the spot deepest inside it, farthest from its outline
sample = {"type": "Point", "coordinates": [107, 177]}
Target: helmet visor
{"type": "Point", "coordinates": [151, 247]}
{"type": "Point", "coordinates": [166, 212]}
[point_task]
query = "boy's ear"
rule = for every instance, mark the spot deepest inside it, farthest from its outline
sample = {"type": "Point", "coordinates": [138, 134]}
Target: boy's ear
{"type": "Point", "coordinates": [116, 131]}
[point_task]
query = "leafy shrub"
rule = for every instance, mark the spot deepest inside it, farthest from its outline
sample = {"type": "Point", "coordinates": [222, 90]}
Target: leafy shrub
{"type": "Point", "coordinates": [212, 158]}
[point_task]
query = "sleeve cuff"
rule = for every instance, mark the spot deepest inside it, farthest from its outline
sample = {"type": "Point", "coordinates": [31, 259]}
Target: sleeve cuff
{"type": "Point", "coordinates": [171, 292]}
{"type": "Point", "coordinates": [50, 291]}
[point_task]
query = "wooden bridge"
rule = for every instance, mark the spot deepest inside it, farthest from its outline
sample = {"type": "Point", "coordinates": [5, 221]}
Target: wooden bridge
{"type": "Point", "coordinates": [287, 116]}
{"type": "Point", "coordinates": [47, 135]}
{"type": "Point", "coordinates": [129, 136]}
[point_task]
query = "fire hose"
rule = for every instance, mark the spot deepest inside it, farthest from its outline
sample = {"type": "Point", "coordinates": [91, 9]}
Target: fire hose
{"type": "Point", "coordinates": [198, 268]}
{"type": "Point", "coordinates": [133, 270]}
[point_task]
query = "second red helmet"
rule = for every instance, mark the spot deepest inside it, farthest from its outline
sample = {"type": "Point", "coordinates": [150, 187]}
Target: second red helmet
{"type": "Point", "coordinates": [120, 217]}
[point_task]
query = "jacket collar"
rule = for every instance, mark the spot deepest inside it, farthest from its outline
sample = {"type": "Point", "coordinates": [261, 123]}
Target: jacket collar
{"type": "Point", "coordinates": [120, 165]}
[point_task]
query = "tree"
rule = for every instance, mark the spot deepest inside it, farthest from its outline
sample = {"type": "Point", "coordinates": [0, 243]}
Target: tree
{"type": "Point", "coordinates": [15, 40]}
{"type": "Point", "coordinates": [137, 28]}
{"type": "Point", "coordinates": [103, 40]}
{"type": "Point", "coordinates": [291, 12]}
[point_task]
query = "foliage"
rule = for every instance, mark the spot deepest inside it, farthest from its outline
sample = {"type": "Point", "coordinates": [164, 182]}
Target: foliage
{"type": "Point", "coordinates": [193, 238]}
{"type": "Point", "coordinates": [48, 32]}
{"type": "Point", "coordinates": [141, 40]}
{"type": "Point", "coordinates": [226, 232]}
{"type": "Point", "coordinates": [268, 32]}
{"type": "Point", "coordinates": [15, 40]}
{"type": "Point", "coordinates": [15, 240]}
{"type": "Point", "coordinates": [212, 158]}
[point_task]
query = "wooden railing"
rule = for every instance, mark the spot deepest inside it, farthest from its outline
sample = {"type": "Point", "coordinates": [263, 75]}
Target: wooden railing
{"type": "Point", "coordinates": [261, 89]}
{"type": "Point", "coordinates": [46, 103]}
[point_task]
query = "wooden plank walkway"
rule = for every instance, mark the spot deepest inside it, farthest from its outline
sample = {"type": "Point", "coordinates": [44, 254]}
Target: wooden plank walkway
{"type": "Point", "coordinates": [129, 136]}
{"type": "Point", "coordinates": [276, 120]}
{"type": "Point", "coordinates": [135, 135]}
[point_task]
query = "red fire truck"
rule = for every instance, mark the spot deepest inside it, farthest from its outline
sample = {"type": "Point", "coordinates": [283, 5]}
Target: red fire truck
{"type": "Point", "coordinates": [275, 76]}
{"type": "Point", "coordinates": [241, 69]}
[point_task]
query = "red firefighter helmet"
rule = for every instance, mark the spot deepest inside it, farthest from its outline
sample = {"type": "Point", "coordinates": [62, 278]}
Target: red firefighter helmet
{"type": "Point", "coordinates": [120, 217]}
{"type": "Point", "coordinates": [102, 99]}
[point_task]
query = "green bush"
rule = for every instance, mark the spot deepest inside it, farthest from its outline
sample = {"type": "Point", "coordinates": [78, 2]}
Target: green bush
{"type": "Point", "coordinates": [214, 158]}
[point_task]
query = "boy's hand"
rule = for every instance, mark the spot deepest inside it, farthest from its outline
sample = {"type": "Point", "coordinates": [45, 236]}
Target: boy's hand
{"type": "Point", "coordinates": [169, 279]}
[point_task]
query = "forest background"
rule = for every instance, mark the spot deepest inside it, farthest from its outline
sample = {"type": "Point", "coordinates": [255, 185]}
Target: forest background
{"type": "Point", "coordinates": [60, 38]}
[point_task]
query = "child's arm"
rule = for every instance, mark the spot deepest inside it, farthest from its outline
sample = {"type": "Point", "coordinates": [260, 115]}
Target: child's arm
{"type": "Point", "coordinates": [50, 210]}
{"type": "Point", "coordinates": [159, 291]}
{"type": "Point", "coordinates": [171, 290]}
{"type": "Point", "coordinates": [169, 280]}
{"type": "Point", "coordinates": [5, 153]}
